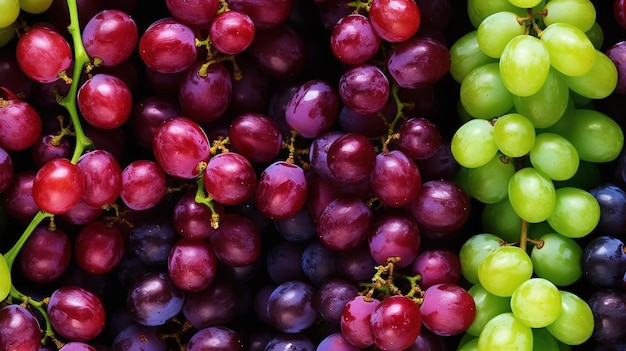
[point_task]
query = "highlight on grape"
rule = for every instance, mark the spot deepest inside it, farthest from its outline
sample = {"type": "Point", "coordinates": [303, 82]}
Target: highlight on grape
{"type": "Point", "coordinates": [273, 175]}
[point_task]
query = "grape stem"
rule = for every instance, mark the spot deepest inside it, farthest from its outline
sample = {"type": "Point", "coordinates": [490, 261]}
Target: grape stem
{"type": "Point", "coordinates": [384, 282]}
{"type": "Point", "coordinates": [203, 198]}
{"type": "Point", "coordinates": [391, 131]}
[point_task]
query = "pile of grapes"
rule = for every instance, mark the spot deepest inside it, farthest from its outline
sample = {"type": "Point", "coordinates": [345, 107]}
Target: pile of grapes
{"type": "Point", "coordinates": [312, 175]}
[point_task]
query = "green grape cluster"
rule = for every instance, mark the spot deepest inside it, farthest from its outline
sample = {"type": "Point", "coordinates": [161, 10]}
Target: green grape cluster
{"type": "Point", "coordinates": [10, 11]}
{"type": "Point", "coordinates": [530, 142]}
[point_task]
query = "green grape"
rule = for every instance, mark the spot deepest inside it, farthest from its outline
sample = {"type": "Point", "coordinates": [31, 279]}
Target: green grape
{"type": "Point", "coordinates": [488, 306]}
{"type": "Point", "coordinates": [505, 332]}
{"type": "Point", "coordinates": [489, 183]}
{"type": "Point", "coordinates": [504, 269]}
{"type": "Point", "coordinates": [554, 156]}
{"type": "Point", "coordinates": [579, 13]}
{"type": "Point", "coordinates": [596, 35]}
{"type": "Point", "coordinates": [483, 94]}
{"type": "Point", "coordinates": [596, 136]}
{"type": "Point", "coordinates": [465, 55]}
{"type": "Point", "coordinates": [544, 341]}
{"type": "Point", "coordinates": [525, 3]}
{"type": "Point", "coordinates": [35, 6]}
{"type": "Point", "coordinates": [532, 195]}
{"type": "Point", "coordinates": [470, 345]}
{"type": "Point", "coordinates": [576, 212]}
{"type": "Point", "coordinates": [536, 303]}
{"type": "Point", "coordinates": [496, 31]}
{"type": "Point", "coordinates": [599, 82]}
{"type": "Point", "coordinates": [473, 251]}
{"type": "Point", "coordinates": [5, 278]}
{"type": "Point", "coordinates": [6, 34]}
{"type": "Point", "coordinates": [9, 10]}
{"type": "Point", "coordinates": [514, 134]}
{"type": "Point", "coordinates": [571, 52]}
{"type": "Point", "coordinates": [558, 259]}
{"type": "Point", "coordinates": [524, 65]}
{"type": "Point", "coordinates": [465, 339]}
{"type": "Point", "coordinates": [561, 126]}
{"type": "Point", "coordinates": [545, 107]}
{"type": "Point", "coordinates": [478, 10]}
{"type": "Point", "coordinates": [575, 324]}
{"type": "Point", "coordinates": [472, 145]}
{"type": "Point", "coordinates": [501, 218]}
{"type": "Point", "coordinates": [587, 176]}
{"type": "Point", "coordinates": [460, 179]}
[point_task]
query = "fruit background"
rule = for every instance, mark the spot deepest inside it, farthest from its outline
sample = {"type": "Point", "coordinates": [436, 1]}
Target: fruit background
{"type": "Point", "coordinates": [312, 175]}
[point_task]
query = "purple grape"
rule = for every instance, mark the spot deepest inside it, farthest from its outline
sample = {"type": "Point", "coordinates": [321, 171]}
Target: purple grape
{"type": "Point", "coordinates": [344, 223]}
{"type": "Point", "coordinates": [336, 342]}
{"type": "Point", "coordinates": [19, 329]}
{"type": "Point", "coordinates": [153, 299]}
{"type": "Point", "coordinates": [281, 191]}
{"type": "Point", "coordinates": [609, 312]}
{"type": "Point", "coordinates": [612, 200]}
{"type": "Point", "coordinates": [280, 261]}
{"type": "Point", "coordinates": [332, 296]}
{"type": "Point", "coordinates": [353, 40]}
{"type": "Point", "coordinates": [153, 240]}
{"type": "Point", "coordinates": [364, 88]}
{"type": "Point", "coordinates": [604, 261]}
{"type": "Point", "coordinates": [290, 306]}
{"type": "Point", "coordinates": [216, 305]}
{"type": "Point", "coordinates": [395, 179]}
{"type": "Point", "coordinates": [299, 228]}
{"type": "Point", "coordinates": [192, 265]}
{"type": "Point", "coordinates": [279, 51]}
{"type": "Point", "coordinates": [395, 234]}
{"type": "Point", "coordinates": [290, 342]}
{"type": "Point", "coordinates": [355, 321]}
{"type": "Point", "coordinates": [215, 339]}
{"type": "Point", "coordinates": [195, 85]}
{"type": "Point", "coordinates": [138, 337]}
{"type": "Point", "coordinates": [419, 138]}
{"type": "Point", "coordinates": [351, 158]}
{"type": "Point", "coordinates": [418, 62]}
{"type": "Point", "coordinates": [318, 263]}
{"type": "Point", "coordinates": [440, 206]}
{"type": "Point", "coordinates": [313, 108]}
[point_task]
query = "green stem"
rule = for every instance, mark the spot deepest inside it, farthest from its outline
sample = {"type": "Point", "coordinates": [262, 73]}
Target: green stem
{"type": "Point", "coordinates": [12, 253]}
{"type": "Point", "coordinates": [40, 306]}
{"type": "Point", "coordinates": [391, 132]}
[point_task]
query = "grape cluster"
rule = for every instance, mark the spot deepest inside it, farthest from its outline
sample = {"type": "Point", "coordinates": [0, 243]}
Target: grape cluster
{"type": "Point", "coordinates": [292, 175]}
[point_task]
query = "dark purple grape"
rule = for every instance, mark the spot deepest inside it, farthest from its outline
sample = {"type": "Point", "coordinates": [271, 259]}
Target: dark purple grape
{"type": "Point", "coordinates": [215, 339]}
{"type": "Point", "coordinates": [356, 264]}
{"type": "Point", "coordinates": [612, 200]}
{"type": "Point", "coordinates": [344, 223]}
{"type": "Point", "coordinates": [419, 138]}
{"type": "Point", "coordinates": [280, 261]}
{"type": "Point", "coordinates": [332, 296]}
{"type": "Point", "coordinates": [440, 206]}
{"type": "Point", "coordinates": [153, 299]}
{"type": "Point", "coordinates": [138, 337]}
{"type": "Point", "coordinates": [290, 342]}
{"type": "Point", "coordinates": [437, 266]}
{"type": "Point", "coordinates": [6, 169]}
{"type": "Point", "coordinates": [196, 84]}
{"type": "Point", "coordinates": [216, 305]}
{"type": "Point", "coordinates": [395, 234]}
{"type": "Point", "coordinates": [299, 228]}
{"type": "Point", "coordinates": [318, 153]}
{"type": "Point", "coordinates": [152, 240]}
{"type": "Point", "coordinates": [279, 51]}
{"type": "Point", "coordinates": [318, 263]}
{"type": "Point", "coordinates": [418, 62]}
{"type": "Point", "coordinates": [148, 114]}
{"type": "Point", "coordinates": [395, 179]}
{"type": "Point", "coordinates": [290, 306]}
{"type": "Point", "coordinates": [609, 312]}
{"type": "Point", "coordinates": [237, 241]}
{"type": "Point", "coordinates": [604, 262]}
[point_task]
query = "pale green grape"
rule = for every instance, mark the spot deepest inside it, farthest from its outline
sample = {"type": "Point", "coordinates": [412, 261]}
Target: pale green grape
{"type": "Point", "coordinates": [525, 3]}
{"type": "Point", "coordinates": [524, 65]}
{"type": "Point", "coordinates": [505, 332]}
{"type": "Point", "coordinates": [501, 218]}
{"type": "Point", "coordinates": [554, 156]}
{"type": "Point", "coordinates": [596, 136]}
{"type": "Point", "coordinates": [514, 134]}
{"type": "Point", "coordinates": [5, 279]}
{"type": "Point", "coordinates": [558, 259]}
{"type": "Point", "coordinates": [473, 251]}
{"type": "Point", "coordinates": [575, 324]}
{"type": "Point", "coordinates": [545, 107]}
{"type": "Point", "coordinates": [470, 345]}
{"type": "Point", "coordinates": [9, 10]}
{"type": "Point", "coordinates": [599, 82]}
{"type": "Point", "coordinates": [596, 35]}
{"type": "Point", "coordinates": [35, 6]}
{"type": "Point", "coordinates": [488, 306]}
{"type": "Point", "coordinates": [483, 94]}
{"type": "Point", "coordinates": [580, 13]}
{"type": "Point", "coordinates": [472, 145]}
{"type": "Point", "coordinates": [536, 303]}
{"type": "Point", "coordinates": [504, 269]}
{"type": "Point", "coordinates": [478, 10]}
{"type": "Point", "coordinates": [576, 212]}
{"type": "Point", "coordinates": [544, 341]}
{"type": "Point", "coordinates": [563, 123]}
{"type": "Point", "coordinates": [6, 34]}
{"type": "Point", "coordinates": [489, 183]}
{"type": "Point", "coordinates": [571, 52]}
{"type": "Point", "coordinates": [496, 31]}
{"type": "Point", "coordinates": [532, 195]}
{"type": "Point", "coordinates": [465, 55]}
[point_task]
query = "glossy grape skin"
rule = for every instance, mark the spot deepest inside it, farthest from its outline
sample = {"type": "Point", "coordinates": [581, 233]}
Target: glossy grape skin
{"type": "Point", "coordinates": [447, 309]}
{"type": "Point", "coordinates": [344, 223]}
{"type": "Point", "coordinates": [136, 335]}
{"type": "Point", "coordinates": [219, 304]}
{"type": "Point", "coordinates": [575, 324]}
{"type": "Point", "coordinates": [290, 342]}
{"type": "Point", "coordinates": [237, 241]}
{"type": "Point", "coordinates": [103, 178]}
{"type": "Point", "coordinates": [152, 240]}
{"type": "Point", "coordinates": [558, 259]}
{"type": "Point", "coordinates": [332, 296]}
{"type": "Point", "coordinates": [75, 313]}
{"type": "Point", "coordinates": [179, 145]}
{"type": "Point", "coordinates": [617, 54]}
{"type": "Point", "coordinates": [290, 306]}
{"type": "Point", "coordinates": [355, 321]}
{"type": "Point", "coordinates": [419, 138]}
{"type": "Point", "coordinates": [58, 186]}
{"type": "Point", "coordinates": [168, 46]}
{"type": "Point", "coordinates": [196, 85]}
{"type": "Point", "coordinates": [43, 44]}
{"type": "Point", "coordinates": [507, 332]}
{"type": "Point", "coordinates": [395, 323]}
{"type": "Point", "coordinates": [192, 265]}
{"type": "Point", "coordinates": [230, 178]}
{"type": "Point", "coordinates": [110, 36]}
{"type": "Point", "coordinates": [419, 62]}
{"type": "Point", "coordinates": [604, 261]}
{"type": "Point", "coordinates": [193, 12]}
{"type": "Point", "coordinates": [153, 299]}
{"type": "Point", "coordinates": [440, 206]}
{"type": "Point", "coordinates": [337, 342]}
{"type": "Point", "coordinates": [94, 101]}
{"type": "Point", "coordinates": [437, 266]}
{"type": "Point", "coordinates": [395, 179]}
{"type": "Point", "coordinates": [45, 255]}
{"type": "Point", "coordinates": [19, 330]}
{"type": "Point", "coordinates": [395, 234]}
{"type": "Point", "coordinates": [143, 184]}
{"type": "Point", "coordinates": [364, 88]}
{"type": "Point", "coordinates": [608, 307]}
{"type": "Point", "coordinates": [17, 199]}
{"type": "Point", "coordinates": [279, 51]}
{"type": "Point", "coordinates": [351, 158]}
{"type": "Point", "coordinates": [313, 108]}
{"type": "Point", "coordinates": [504, 269]}
{"type": "Point", "coordinates": [231, 32]}
{"type": "Point", "coordinates": [487, 306]}
{"type": "Point", "coordinates": [215, 339]}
{"type": "Point", "coordinates": [48, 148]}
{"type": "Point", "coordinates": [191, 219]}
{"type": "Point", "coordinates": [21, 125]}
{"type": "Point", "coordinates": [255, 136]}
{"type": "Point", "coordinates": [147, 116]}
{"type": "Point", "coordinates": [395, 20]}
{"type": "Point", "coordinates": [353, 40]}
{"type": "Point", "coordinates": [612, 201]}
{"type": "Point", "coordinates": [281, 191]}
{"type": "Point", "coordinates": [98, 248]}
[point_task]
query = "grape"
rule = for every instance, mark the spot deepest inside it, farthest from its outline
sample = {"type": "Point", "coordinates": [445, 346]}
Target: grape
{"type": "Point", "coordinates": [313, 108]}
{"type": "Point", "coordinates": [395, 20]}
{"type": "Point", "coordinates": [193, 12]}
{"type": "Point", "coordinates": [447, 309]}
{"type": "Point", "coordinates": [279, 261]}
{"type": "Point", "coordinates": [496, 30]}
{"type": "Point", "coordinates": [351, 158]}
{"type": "Point", "coordinates": [473, 144]}
{"type": "Point", "coordinates": [558, 259]}
{"type": "Point", "coordinates": [419, 138]}
{"type": "Point", "coordinates": [43, 44]}
{"type": "Point", "coordinates": [608, 307]}
{"type": "Point", "coordinates": [570, 50]}
{"type": "Point", "coordinates": [137, 335]}
{"type": "Point", "coordinates": [437, 266]}
{"type": "Point", "coordinates": [19, 329]}
{"type": "Point", "coordinates": [265, 14]}
{"type": "Point", "coordinates": [18, 200]}
{"type": "Point", "coordinates": [215, 339]}
{"type": "Point", "coordinates": [110, 36]}
{"type": "Point", "coordinates": [143, 184]}
{"type": "Point", "coordinates": [395, 323]}
{"type": "Point", "coordinates": [353, 40]}
{"type": "Point", "coordinates": [603, 77]}
{"type": "Point", "coordinates": [536, 303]}
{"type": "Point", "coordinates": [612, 201]}
{"type": "Point", "coordinates": [318, 263]}
{"type": "Point", "coordinates": [465, 55]}
{"type": "Point", "coordinates": [21, 125]}
{"type": "Point", "coordinates": [395, 179]}
{"type": "Point", "coordinates": [524, 3]}
{"type": "Point", "coordinates": [153, 299]}
{"type": "Point", "coordinates": [11, 9]}
{"type": "Point", "coordinates": [395, 234]}
{"type": "Point", "coordinates": [604, 261]}
{"type": "Point", "coordinates": [489, 183]}
{"type": "Point", "coordinates": [580, 13]}
{"type": "Point", "coordinates": [335, 342]}
{"type": "Point", "coordinates": [75, 313]}
{"type": "Point", "coordinates": [487, 306]}
{"type": "Point", "coordinates": [103, 178]}
{"type": "Point", "coordinates": [95, 99]}
{"type": "Point", "coordinates": [524, 65]}
{"type": "Point", "coordinates": [229, 178]}
{"type": "Point", "coordinates": [364, 88]}
{"type": "Point", "coordinates": [282, 191]}
{"type": "Point", "coordinates": [474, 251]}
{"type": "Point", "coordinates": [231, 32]}
{"type": "Point", "coordinates": [279, 51]}
{"type": "Point", "coordinates": [255, 136]}
{"type": "Point", "coordinates": [48, 148]}
{"type": "Point", "coordinates": [355, 321]}
{"type": "Point", "coordinates": [441, 205]}
{"type": "Point", "coordinates": [575, 324]}
{"type": "Point", "coordinates": [514, 134]}
{"type": "Point", "coordinates": [532, 195]}
{"type": "Point", "coordinates": [344, 223]}
{"type": "Point", "coordinates": [237, 241]}
{"type": "Point", "coordinates": [58, 186]}
{"type": "Point", "coordinates": [504, 269]}
{"type": "Point", "coordinates": [98, 247]}
{"type": "Point", "coordinates": [418, 62]}
{"type": "Point", "coordinates": [168, 46]}
{"type": "Point", "coordinates": [216, 305]}
{"type": "Point", "coordinates": [152, 240]}
{"type": "Point", "coordinates": [596, 136]}
{"type": "Point", "coordinates": [548, 105]}
{"type": "Point", "coordinates": [192, 265]}
{"type": "Point", "coordinates": [505, 331]}
{"type": "Point", "coordinates": [483, 93]}
{"type": "Point", "coordinates": [332, 296]}
{"type": "Point", "coordinates": [501, 218]}
{"type": "Point", "coordinates": [290, 342]}
{"type": "Point", "coordinates": [197, 83]}
{"type": "Point", "coordinates": [299, 228]}
{"type": "Point", "coordinates": [290, 306]}
{"type": "Point", "coordinates": [45, 255]}
{"type": "Point", "coordinates": [554, 156]}
{"type": "Point", "coordinates": [576, 212]}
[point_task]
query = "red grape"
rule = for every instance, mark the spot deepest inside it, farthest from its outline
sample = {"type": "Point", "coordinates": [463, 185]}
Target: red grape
{"type": "Point", "coordinates": [396, 323]}
{"type": "Point", "coordinates": [264, 13]}
{"type": "Point", "coordinates": [6, 170]}
{"type": "Point", "coordinates": [196, 86]}
{"type": "Point", "coordinates": [364, 88]}
{"type": "Point", "coordinates": [105, 101]}
{"type": "Point", "coordinates": [313, 108]}
{"type": "Point", "coordinates": [143, 185]}
{"type": "Point", "coordinates": [192, 264]}
{"type": "Point", "coordinates": [168, 46]}
{"type": "Point", "coordinates": [20, 125]}
{"type": "Point", "coordinates": [355, 321]}
{"type": "Point", "coordinates": [19, 329]}
{"type": "Point", "coordinates": [282, 190]}
{"type": "Point", "coordinates": [103, 178]}
{"type": "Point", "coordinates": [237, 241]}
{"type": "Point", "coordinates": [45, 255]}
{"type": "Point", "coordinates": [110, 36]}
{"type": "Point", "coordinates": [395, 20]}
{"type": "Point", "coordinates": [194, 12]}
{"type": "Point", "coordinates": [353, 40]}
{"type": "Point", "coordinates": [58, 186]}
{"type": "Point", "coordinates": [395, 179]}
{"type": "Point", "coordinates": [231, 32]}
{"type": "Point", "coordinates": [447, 309]}
{"type": "Point", "coordinates": [98, 247]}
{"type": "Point", "coordinates": [43, 44]}
{"type": "Point", "coordinates": [344, 223]}
{"type": "Point", "coordinates": [75, 313]}
{"type": "Point", "coordinates": [230, 178]}
{"type": "Point", "coordinates": [395, 234]}
{"type": "Point", "coordinates": [351, 158]}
